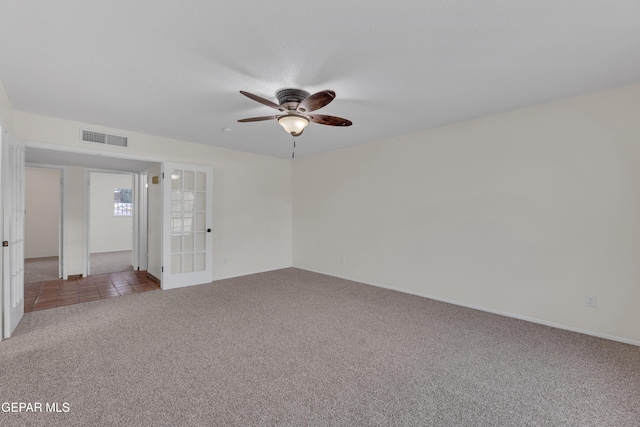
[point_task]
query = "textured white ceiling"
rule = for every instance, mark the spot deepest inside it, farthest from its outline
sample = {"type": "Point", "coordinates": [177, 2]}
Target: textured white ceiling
{"type": "Point", "coordinates": [174, 68]}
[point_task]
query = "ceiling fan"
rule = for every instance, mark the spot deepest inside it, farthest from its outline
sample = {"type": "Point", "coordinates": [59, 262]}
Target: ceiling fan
{"type": "Point", "coordinates": [295, 106]}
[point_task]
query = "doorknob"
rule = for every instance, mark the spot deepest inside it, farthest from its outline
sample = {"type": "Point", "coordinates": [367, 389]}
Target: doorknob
{"type": "Point", "coordinates": [208, 230]}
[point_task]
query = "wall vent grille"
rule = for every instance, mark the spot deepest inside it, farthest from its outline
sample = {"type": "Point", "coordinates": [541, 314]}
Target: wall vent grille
{"type": "Point", "coordinates": [103, 138]}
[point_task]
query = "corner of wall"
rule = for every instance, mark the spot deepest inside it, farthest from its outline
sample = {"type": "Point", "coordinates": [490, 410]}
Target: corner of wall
{"type": "Point", "coordinates": [6, 110]}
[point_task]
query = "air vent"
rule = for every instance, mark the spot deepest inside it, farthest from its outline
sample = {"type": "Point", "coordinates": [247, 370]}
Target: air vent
{"type": "Point", "coordinates": [103, 138]}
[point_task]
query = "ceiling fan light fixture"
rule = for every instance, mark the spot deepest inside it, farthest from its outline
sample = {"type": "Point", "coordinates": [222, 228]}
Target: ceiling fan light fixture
{"type": "Point", "coordinates": [293, 123]}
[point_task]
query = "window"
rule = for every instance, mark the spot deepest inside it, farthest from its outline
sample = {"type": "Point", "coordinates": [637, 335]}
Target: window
{"type": "Point", "coordinates": [122, 202]}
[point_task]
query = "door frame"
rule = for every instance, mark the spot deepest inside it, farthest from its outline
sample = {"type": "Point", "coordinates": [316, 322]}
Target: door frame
{"type": "Point", "coordinates": [140, 221]}
{"type": "Point", "coordinates": [138, 233]}
{"type": "Point", "coordinates": [62, 247]}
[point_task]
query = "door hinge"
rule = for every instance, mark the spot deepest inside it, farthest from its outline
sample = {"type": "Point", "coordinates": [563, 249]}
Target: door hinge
{"type": "Point", "coordinates": [162, 269]}
{"type": "Point", "coordinates": [5, 244]}
{"type": "Point", "coordinates": [162, 175]}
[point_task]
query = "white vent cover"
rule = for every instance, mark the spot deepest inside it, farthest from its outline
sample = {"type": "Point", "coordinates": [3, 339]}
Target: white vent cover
{"type": "Point", "coordinates": [103, 138]}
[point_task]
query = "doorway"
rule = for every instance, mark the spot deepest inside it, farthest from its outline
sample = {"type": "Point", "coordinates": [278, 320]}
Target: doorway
{"type": "Point", "coordinates": [43, 203]}
{"type": "Point", "coordinates": [111, 222]}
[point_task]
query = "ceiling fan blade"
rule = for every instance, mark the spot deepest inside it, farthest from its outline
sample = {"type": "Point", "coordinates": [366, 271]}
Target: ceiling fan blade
{"type": "Point", "coordinates": [261, 100]}
{"type": "Point", "coordinates": [316, 101]}
{"type": "Point", "coordinates": [329, 120]}
{"type": "Point", "coordinates": [258, 119]}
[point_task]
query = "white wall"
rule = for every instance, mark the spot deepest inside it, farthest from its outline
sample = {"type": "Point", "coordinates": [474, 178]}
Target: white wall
{"type": "Point", "coordinates": [524, 212]}
{"type": "Point", "coordinates": [108, 232]}
{"type": "Point", "coordinates": [42, 219]}
{"type": "Point", "coordinates": [252, 193]}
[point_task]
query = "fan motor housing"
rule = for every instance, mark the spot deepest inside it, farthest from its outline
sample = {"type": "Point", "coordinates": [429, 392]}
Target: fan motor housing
{"type": "Point", "coordinates": [296, 96]}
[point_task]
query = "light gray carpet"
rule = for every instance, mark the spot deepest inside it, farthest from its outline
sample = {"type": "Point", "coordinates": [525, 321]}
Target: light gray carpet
{"type": "Point", "coordinates": [41, 269]}
{"type": "Point", "coordinates": [46, 268]}
{"type": "Point", "coordinates": [110, 262]}
{"type": "Point", "coordinates": [291, 347]}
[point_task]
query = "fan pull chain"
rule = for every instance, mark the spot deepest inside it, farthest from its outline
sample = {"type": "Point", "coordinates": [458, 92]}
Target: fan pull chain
{"type": "Point", "coordinates": [293, 151]}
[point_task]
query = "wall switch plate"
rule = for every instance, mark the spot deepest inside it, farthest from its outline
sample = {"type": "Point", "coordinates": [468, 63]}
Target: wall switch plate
{"type": "Point", "coordinates": [225, 260]}
{"type": "Point", "coordinates": [590, 301]}
{"type": "Point", "coordinates": [343, 260]}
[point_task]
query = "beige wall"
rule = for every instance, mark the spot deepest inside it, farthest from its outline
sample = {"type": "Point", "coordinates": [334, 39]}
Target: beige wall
{"type": "Point", "coordinates": [522, 213]}
{"type": "Point", "coordinates": [108, 232]}
{"type": "Point", "coordinates": [74, 219]}
{"type": "Point", "coordinates": [42, 219]}
{"type": "Point", "coordinates": [252, 193]}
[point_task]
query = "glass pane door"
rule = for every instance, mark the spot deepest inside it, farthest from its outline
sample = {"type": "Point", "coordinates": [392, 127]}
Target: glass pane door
{"type": "Point", "coordinates": [189, 224]}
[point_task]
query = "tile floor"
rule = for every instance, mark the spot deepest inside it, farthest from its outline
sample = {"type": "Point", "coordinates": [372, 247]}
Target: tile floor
{"type": "Point", "coordinates": [56, 293]}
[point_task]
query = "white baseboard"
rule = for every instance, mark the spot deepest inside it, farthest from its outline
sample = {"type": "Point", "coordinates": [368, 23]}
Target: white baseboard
{"type": "Point", "coordinates": [250, 273]}
{"type": "Point", "coordinates": [110, 250]}
{"type": "Point", "coordinates": [488, 310]}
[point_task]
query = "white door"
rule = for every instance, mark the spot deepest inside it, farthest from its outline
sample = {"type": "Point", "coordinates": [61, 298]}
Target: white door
{"type": "Point", "coordinates": [187, 242]}
{"type": "Point", "coordinates": [13, 232]}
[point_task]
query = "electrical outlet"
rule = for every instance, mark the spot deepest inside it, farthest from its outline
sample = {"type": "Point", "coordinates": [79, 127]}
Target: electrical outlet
{"type": "Point", "coordinates": [225, 260]}
{"type": "Point", "coordinates": [590, 301]}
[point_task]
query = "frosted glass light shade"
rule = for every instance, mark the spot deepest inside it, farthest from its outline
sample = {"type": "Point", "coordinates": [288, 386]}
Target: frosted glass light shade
{"type": "Point", "coordinates": [293, 123]}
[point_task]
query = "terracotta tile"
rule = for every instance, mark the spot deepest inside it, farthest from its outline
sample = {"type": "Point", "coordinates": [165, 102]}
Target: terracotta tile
{"type": "Point", "coordinates": [51, 283]}
{"type": "Point", "coordinates": [51, 304]}
{"type": "Point", "coordinates": [122, 286]}
{"type": "Point", "coordinates": [42, 299]}
{"type": "Point", "coordinates": [46, 295]}
{"type": "Point", "coordinates": [68, 296]}
{"type": "Point", "coordinates": [109, 296]}
{"type": "Point", "coordinates": [102, 283]}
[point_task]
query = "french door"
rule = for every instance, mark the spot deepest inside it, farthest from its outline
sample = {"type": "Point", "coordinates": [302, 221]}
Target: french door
{"type": "Point", "coordinates": [13, 232]}
{"type": "Point", "coordinates": [187, 225]}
